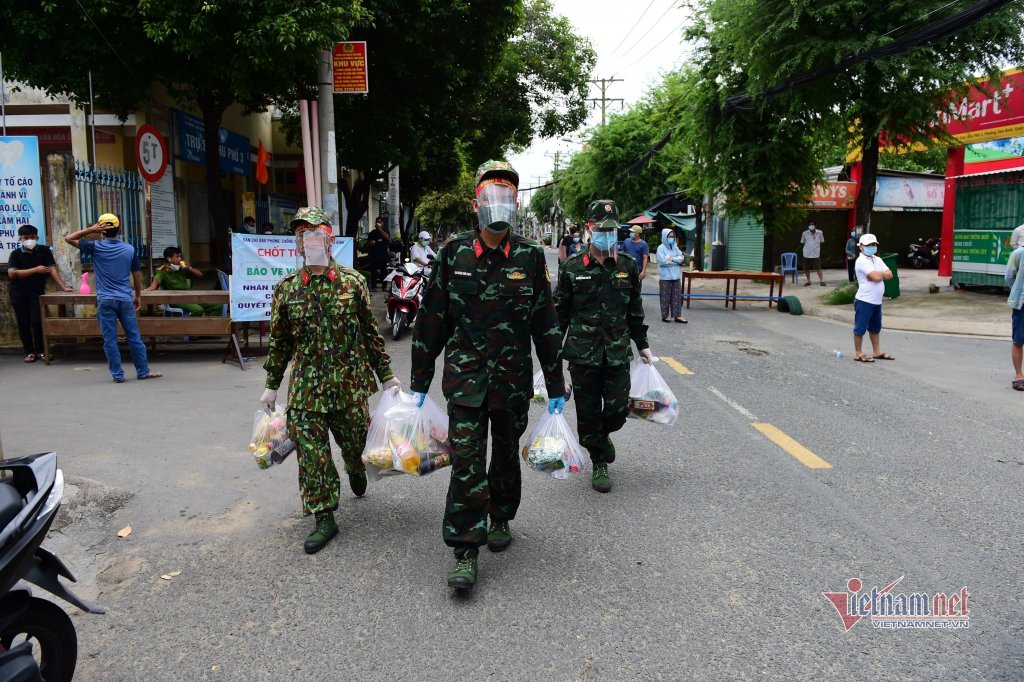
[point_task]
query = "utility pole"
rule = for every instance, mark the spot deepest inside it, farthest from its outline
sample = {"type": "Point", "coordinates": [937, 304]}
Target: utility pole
{"type": "Point", "coordinates": [328, 149]}
{"type": "Point", "coordinates": [604, 99]}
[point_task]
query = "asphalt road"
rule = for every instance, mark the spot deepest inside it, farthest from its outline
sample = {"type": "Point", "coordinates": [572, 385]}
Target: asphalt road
{"type": "Point", "coordinates": [707, 560]}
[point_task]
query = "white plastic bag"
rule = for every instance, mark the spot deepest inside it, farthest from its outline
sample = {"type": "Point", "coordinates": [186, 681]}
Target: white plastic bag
{"type": "Point", "coordinates": [411, 440]}
{"type": "Point", "coordinates": [377, 455]}
{"type": "Point", "coordinates": [269, 443]}
{"type": "Point", "coordinates": [552, 448]}
{"type": "Point", "coordinates": [540, 388]}
{"type": "Point", "coordinates": [650, 398]}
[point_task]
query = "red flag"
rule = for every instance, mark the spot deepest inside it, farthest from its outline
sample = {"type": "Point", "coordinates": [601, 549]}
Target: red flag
{"type": "Point", "coordinates": [262, 157]}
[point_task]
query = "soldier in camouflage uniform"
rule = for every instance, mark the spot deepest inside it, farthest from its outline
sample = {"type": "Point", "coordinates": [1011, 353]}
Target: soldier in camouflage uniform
{"type": "Point", "coordinates": [490, 293]}
{"type": "Point", "coordinates": [599, 306]}
{"type": "Point", "coordinates": [321, 322]}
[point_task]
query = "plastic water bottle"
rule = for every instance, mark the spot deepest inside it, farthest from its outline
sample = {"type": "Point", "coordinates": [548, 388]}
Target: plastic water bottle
{"type": "Point", "coordinates": [838, 353]}
{"type": "Point", "coordinates": [84, 289]}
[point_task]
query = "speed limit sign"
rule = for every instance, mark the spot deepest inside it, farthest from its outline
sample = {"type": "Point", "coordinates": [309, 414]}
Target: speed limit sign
{"type": "Point", "coordinates": [150, 152]}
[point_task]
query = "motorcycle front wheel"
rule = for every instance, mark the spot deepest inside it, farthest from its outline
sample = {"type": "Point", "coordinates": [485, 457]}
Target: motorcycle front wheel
{"type": "Point", "coordinates": [53, 637]}
{"type": "Point", "coordinates": [400, 324]}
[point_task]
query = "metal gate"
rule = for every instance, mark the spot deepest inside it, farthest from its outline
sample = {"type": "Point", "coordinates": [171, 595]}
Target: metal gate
{"type": "Point", "coordinates": [102, 189]}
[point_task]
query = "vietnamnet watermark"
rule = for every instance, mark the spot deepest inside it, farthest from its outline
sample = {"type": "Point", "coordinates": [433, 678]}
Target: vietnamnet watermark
{"type": "Point", "coordinates": [888, 610]}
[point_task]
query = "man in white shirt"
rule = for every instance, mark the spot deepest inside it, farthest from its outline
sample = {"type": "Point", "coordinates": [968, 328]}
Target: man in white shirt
{"type": "Point", "coordinates": [1017, 237]}
{"type": "Point", "coordinates": [867, 304]}
{"type": "Point", "coordinates": [421, 254]}
{"type": "Point", "coordinates": [812, 239]}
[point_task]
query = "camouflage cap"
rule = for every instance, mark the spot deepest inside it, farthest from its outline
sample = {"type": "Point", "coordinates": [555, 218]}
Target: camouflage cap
{"type": "Point", "coordinates": [314, 215]}
{"type": "Point", "coordinates": [601, 210]}
{"type": "Point", "coordinates": [492, 168]}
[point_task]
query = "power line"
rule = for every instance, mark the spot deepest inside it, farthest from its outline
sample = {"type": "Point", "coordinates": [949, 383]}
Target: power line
{"type": "Point", "coordinates": [637, 23]}
{"type": "Point", "coordinates": [116, 54]}
{"type": "Point", "coordinates": [603, 99]}
{"type": "Point", "coordinates": [654, 25]}
{"type": "Point", "coordinates": [657, 44]}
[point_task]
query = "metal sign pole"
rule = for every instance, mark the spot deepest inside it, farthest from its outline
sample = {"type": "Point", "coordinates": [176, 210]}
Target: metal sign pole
{"type": "Point", "coordinates": [3, 95]}
{"type": "Point", "coordinates": [92, 115]}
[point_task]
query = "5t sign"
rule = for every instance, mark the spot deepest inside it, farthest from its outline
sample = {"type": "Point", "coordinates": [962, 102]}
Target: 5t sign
{"type": "Point", "coordinates": [150, 152]}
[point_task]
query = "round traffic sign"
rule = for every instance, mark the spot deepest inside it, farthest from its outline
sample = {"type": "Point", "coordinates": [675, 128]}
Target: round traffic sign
{"type": "Point", "coordinates": [150, 152]}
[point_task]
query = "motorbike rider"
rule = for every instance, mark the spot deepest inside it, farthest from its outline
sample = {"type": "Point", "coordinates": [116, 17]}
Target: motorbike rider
{"type": "Point", "coordinates": [421, 254]}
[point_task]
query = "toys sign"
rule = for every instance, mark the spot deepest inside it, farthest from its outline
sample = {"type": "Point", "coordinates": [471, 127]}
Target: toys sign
{"type": "Point", "coordinates": [150, 153]}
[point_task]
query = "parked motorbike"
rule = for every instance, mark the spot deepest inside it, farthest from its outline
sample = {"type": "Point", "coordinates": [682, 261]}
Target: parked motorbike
{"type": "Point", "coordinates": [37, 638]}
{"type": "Point", "coordinates": [924, 254]}
{"type": "Point", "coordinates": [405, 293]}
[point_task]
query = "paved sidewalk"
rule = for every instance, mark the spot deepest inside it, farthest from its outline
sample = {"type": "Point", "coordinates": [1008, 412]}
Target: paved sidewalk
{"type": "Point", "coordinates": [971, 312]}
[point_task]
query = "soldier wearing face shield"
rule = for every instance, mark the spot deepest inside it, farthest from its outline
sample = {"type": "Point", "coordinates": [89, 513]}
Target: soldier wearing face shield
{"type": "Point", "coordinates": [321, 321]}
{"type": "Point", "coordinates": [490, 294]}
{"type": "Point", "coordinates": [599, 311]}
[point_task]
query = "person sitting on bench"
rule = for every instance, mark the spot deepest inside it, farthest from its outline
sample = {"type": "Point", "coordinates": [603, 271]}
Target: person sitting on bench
{"type": "Point", "coordinates": [176, 275]}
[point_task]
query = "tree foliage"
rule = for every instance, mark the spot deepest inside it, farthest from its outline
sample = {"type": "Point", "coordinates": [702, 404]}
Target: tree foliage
{"type": "Point", "coordinates": [748, 46]}
{"type": "Point", "coordinates": [432, 91]}
{"type": "Point", "coordinates": [209, 52]}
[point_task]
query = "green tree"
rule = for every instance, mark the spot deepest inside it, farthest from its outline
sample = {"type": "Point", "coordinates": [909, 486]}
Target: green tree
{"type": "Point", "coordinates": [524, 73]}
{"type": "Point", "coordinates": [448, 210]}
{"type": "Point", "coordinates": [209, 52]}
{"type": "Point", "coordinates": [542, 202]}
{"type": "Point", "coordinates": [878, 72]}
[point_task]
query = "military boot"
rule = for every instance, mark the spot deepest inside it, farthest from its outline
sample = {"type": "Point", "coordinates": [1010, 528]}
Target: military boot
{"type": "Point", "coordinates": [326, 528]}
{"type": "Point", "coordinates": [464, 575]}
{"type": "Point", "coordinates": [357, 481]}
{"type": "Point", "coordinates": [601, 481]}
{"type": "Point", "coordinates": [498, 536]}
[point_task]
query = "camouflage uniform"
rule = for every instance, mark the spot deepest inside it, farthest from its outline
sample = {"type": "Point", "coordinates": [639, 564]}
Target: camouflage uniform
{"type": "Point", "coordinates": [482, 306]}
{"type": "Point", "coordinates": [600, 307]}
{"type": "Point", "coordinates": [324, 325]}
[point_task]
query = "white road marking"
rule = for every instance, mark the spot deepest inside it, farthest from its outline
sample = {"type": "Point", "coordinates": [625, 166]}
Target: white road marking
{"type": "Point", "coordinates": [733, 404]}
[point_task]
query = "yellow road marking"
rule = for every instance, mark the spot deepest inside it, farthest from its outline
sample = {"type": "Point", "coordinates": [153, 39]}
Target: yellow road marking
{"type": "Point", "coordinates": [676, 365]}
{"type": "Point", "coordinates": [806, 457]}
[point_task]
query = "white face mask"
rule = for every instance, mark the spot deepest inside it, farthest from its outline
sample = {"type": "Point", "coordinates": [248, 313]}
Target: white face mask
{"type": "Point", "coordinates": [30, 243]}
{"type": "Point", "coordinates": [314, 248]}
{"type": "Point", "coordinates": [174, 267]}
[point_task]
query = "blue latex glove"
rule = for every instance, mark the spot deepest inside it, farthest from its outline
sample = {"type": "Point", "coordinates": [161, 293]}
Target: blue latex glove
{"type": "Point", "coordinates": [420, 397]}
{"type": "Point", "coordinates": [556, 405]}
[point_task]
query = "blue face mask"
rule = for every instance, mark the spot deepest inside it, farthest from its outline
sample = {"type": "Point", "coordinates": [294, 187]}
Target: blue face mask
{"type": "Point", "coordinates": [870, 250]}
{"type": "Point", "coordinates": [670, 241]}
{"type": "Point", "coordinates": [604, 241]}
{"type": "Point", "coordinates": [575, 240]}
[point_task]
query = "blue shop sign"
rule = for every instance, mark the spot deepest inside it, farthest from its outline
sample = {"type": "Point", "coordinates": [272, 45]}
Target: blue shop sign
{"type": "Point", "coordinates": [234, 147]}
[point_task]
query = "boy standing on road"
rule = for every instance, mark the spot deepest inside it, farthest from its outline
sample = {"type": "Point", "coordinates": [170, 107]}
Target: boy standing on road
{"type": "Point", "coordinates": [867, 304]}
{"type": "Point", "coordinates": [118, 293]}
{"type": "Point", "coordinates": [1015, 280]}
{"type": "Point", "coordinates": [812, 239]}
{"type": "Point", "coordinates": [28, 268]}
{"type": "Point", "coordinates": [489, 296]}
{"type": "Point", "coordinates": [599, 310]}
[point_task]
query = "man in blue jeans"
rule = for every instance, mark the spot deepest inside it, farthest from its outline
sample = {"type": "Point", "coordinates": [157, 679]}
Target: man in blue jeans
{"type": "Point", "coordinates": [118, 289]}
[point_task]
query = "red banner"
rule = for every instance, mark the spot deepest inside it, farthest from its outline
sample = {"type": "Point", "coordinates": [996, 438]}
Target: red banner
{"type": "Point", "coordinates": [350, 74]}
{"type": "Point", "coordinates": [834, 195]}
{"type": "Point", "coordinates": [982, 116]}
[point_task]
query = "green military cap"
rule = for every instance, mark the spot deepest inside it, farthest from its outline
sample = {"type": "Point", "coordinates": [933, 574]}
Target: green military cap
{"type": "Point", "coordinates": [602, 210]}
{"type": "Point", "coordinates": [493, 168]}
{"type": "Point", "coordinates": [314, 215]}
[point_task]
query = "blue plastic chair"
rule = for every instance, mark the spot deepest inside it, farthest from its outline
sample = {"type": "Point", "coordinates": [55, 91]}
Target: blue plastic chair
{"type": "Point", "coordinates": [171, 311]}
{"type": "Point", "coordinates": [222, 279]}
{"type": "Point", "coordinates": [789, 264]}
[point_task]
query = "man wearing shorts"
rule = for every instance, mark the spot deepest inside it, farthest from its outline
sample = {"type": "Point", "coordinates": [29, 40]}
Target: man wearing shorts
{"type": "Point", "coordinates": [867, 304]}
{"type": "Point", "coordinates": [1015, 280]}
{"type": "Point", "coordinates": [812, 239]}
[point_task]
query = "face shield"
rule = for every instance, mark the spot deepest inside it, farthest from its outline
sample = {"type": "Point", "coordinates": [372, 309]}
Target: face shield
{"type": "Point", "coordinates": [313, 247]}
{"type": "Point", "coordinates": [603, 237]}
{"type": "Point", "coordinates": [496, 204]}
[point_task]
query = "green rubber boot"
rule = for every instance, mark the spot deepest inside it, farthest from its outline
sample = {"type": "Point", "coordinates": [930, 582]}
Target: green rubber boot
{"type": "Point", "coordinates": [326, 528]}
{"type": "Point", "coordinates": [498, 536]}
{"type": "Point", "coordinates": [601, 481]}
{"type": "Point", "coordinates": [357, 481]}
{"type": "Point", "coordinates": [464, 575]}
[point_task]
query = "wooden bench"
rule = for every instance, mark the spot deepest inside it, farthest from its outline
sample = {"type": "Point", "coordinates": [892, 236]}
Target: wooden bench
{"type": "Point", "coordinates": [732, 278]}
{"type": "Point", "coordinates": [63, 325]}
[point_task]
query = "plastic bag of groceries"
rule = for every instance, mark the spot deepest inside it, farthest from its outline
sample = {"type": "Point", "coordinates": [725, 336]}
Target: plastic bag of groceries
{"type": "Point", "coordinates": [270, 444]}
{"type": "Point", "coordinates": [407, 439]}
{"type": "Point", "coordinates": [552, 447]}
{"type": "Point", "coordinates": [377, 455]}
{"type": "Point", "coordinates": [540, 388]}
{"type": "Point", "coordinates": [650, 398]}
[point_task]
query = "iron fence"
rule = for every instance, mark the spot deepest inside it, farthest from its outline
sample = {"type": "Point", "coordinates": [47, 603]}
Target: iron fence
{"type": "Point", "coordinates": [103, 189]}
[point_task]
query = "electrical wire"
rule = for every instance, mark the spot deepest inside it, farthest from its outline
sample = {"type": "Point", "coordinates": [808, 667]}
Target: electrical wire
{"type": "Point", "coordinates": [654, 25]}
{"type": "Point", "coordinates": [630, 31]}
{"type": "Point", "coordinates": [656, 45]}
{"type": "Point", "coordinates": [116, 54]}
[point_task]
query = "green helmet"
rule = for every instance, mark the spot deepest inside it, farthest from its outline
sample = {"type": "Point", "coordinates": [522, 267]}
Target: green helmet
{"type": "Point", "coordinates": [492, 168]}
{"type": "Point", "coordinates": [314, 215]}
{"type": "Point", "coordinates": [603, 214]}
